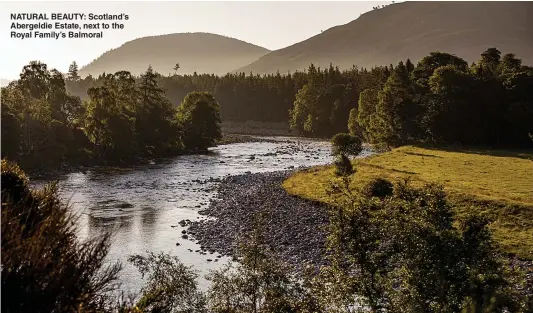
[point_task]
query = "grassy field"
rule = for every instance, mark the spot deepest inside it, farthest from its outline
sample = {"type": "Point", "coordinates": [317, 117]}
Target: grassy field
{"type": "Point", "coordinates": [498, 183]}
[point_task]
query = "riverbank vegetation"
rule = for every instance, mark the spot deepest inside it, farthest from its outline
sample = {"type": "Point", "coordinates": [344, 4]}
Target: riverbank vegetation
{"type": "Point", "coordinates": [441, 99]}
{"type": "Point", "coordinates": [414, 256]}
{"type": "Point", "coordinates": [493, 182]}
{"type": "Point", "coordinates": [122, 120]}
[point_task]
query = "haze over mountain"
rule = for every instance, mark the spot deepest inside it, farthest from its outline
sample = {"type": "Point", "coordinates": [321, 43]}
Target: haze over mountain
{"type": "Point", "coordinates": [200, 52]}
{"type": "Point", "coordinates": [4, 82]}
{"type": "Point", "coordinates": [411, 30]}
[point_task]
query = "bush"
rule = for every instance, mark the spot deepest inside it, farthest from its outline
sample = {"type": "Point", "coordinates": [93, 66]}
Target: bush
{"type": "Point", "coordinates": [343, 166]}
{"type": "Point", "coordinates": [378, 187]}
{"type": "Point", "coordinates": [347, 144]}
{"type": "Point", "coordinates": [406, 253]}
{"type": "Point", "coordinates": [44, 267]}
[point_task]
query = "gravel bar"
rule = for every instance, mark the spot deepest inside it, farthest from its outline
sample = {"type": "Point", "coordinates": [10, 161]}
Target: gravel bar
{"type": "Point", "coordinates": [294, 227]}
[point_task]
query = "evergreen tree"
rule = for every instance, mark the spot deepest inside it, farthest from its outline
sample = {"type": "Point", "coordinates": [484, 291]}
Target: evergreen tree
{"type": "Point", "coordinates": [156, 129]}
{"type": "Point", "coordinates": [393, 123]}
{"type": "Point", "coordinates": [73, 71]}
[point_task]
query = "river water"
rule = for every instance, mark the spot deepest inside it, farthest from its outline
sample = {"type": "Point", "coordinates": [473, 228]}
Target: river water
{"type": "Point", "coordinates": [142, 205]}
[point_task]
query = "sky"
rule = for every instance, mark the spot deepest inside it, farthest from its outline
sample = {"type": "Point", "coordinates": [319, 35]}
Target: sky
{"type": "Point", "coordinates": [270, 24]}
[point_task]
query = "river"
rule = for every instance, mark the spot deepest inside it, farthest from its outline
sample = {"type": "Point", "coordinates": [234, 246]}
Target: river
{"type": "Point", "coordinates": [142, 205]}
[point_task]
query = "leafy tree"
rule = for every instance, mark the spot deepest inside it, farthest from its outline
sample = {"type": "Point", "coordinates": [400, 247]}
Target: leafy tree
{"type": "Point", "coordinates": [199, 116]}
{"type": "Point", "coordinates": [510, 64]}
{"type": "Point", "coordinates": [353, 125]}
{"type": "Point", "coordinates": [517, 119]}
{"type": "Point", "coordinates": [109, 122]}
{"type": "Point", "coordinates": [11, 130]}
{"type": "Point", "coordinates": [425, 67]}
{"type": "Point", "coordinates": [45, 115]}
{"type": "Point", "coordinates": [452, 94]}
{"type": "Point", "coordinates": [346, 144]}
{"type": "Point", "coordinates": [343, 166]}
{"type": "Point", "coordinates": [260, 283]}
{"type": "Point", "coordinates": [171, 286]}
{"type": "Point", "coordinates": [489, 63]}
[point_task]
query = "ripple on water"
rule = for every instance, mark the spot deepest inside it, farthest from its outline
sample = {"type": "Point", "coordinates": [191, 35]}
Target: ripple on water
{"type": "Point", "coordinates": [142, 205]}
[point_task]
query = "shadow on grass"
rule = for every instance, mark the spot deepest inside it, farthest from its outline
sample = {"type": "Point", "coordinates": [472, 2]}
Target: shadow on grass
{"type": "Point", "coordinates": [526, 154]}
{"type": "Point", "coordinates": [423, 155]}
{"type": "Point", "coordinates": [388, 169]}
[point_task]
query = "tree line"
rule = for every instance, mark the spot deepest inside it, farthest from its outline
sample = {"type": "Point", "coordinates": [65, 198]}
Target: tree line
{"type": "Point", "coordinates": [441, 100]}
{"type": "Point", "coordinates": [48, 118]}
{"type": "Point", "coordinates": [266, 98]}
{"type": "Point", "coordinates": [122, 119]}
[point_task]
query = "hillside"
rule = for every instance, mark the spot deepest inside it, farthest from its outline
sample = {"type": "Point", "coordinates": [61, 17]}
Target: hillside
{"type": "Point", "coordinates": [200, 52]}
{"type": "Point", "coordinates": [411, 29]}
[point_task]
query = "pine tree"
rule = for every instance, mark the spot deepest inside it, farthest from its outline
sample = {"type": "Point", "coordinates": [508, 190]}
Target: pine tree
{"type": "Point", "coordinates": [154, 125]}
{"type": "Point", "coordinates": [394, 120]}
{"type": "Point", "coordinates": [73, 72]}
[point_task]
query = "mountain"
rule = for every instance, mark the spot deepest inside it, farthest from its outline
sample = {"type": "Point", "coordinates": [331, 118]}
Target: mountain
{"type": "Point", "coordinates": [200, 52]}
{"type": "Point", "coordinates": [4, 82]}
{"type": "Point", "coordinates": [411, 30]}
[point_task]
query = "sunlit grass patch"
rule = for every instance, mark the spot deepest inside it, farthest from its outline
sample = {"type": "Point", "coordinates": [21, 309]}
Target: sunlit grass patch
{"type": "Point", "coordinates": [498, 183]}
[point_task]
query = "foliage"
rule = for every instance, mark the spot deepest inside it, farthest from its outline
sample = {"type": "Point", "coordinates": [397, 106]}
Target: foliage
{"type": "Point", "coordinates": [378, 187]}
{"type": "Point", "coordinates": [353, 124]}
{"type": "Point", "coordinates": [347, 144]}
{"type": "Point", "coordinates": [110, 119]}
{"type": "Point", "coordinates": [394, 105]}
{"type": "Point", "coordinates": [170, 287]}
{"type": "Point", "coordinates": [73, 72]}
{"type": "Point", "coordinates": [493, 182]}
{"type": "Point", "coordinates": [122, 119]}
{"type": "Point", "coordinates": [41, 118]}
{"type": "Point", "coordinates": [394, 118]}
{"type": "Point", "coordinates": [343, 165]}
{"type": "Point", "coordinates": [157, 130]}
{"type": "Point", "coordinates": [44, 266]}
{"type": "Point", "coordinates": [411, 258]}
{"type": "Point", "coordinates": [199, 116]}
{"type": "Point", "coordinates": [260, 283]}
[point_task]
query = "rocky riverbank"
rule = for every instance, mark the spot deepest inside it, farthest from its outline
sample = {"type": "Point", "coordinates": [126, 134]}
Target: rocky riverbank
{"type": "Point", "coordinates": [293, 226]}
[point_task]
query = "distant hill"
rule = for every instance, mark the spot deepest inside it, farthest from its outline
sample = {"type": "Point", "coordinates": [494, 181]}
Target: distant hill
{"type": "Point", "coordinates": [4, 82]}
{"type": "Point", "coordinates": [412, 29]}
{"type": "Point", "coordinates": [200, 52]}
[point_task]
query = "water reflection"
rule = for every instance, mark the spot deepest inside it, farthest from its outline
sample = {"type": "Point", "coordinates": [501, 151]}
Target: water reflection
{"type": "Point", "coordinates": [142, 205]}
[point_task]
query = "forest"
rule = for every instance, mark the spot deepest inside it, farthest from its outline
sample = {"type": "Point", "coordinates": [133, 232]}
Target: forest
{"type": "Point", "coordinates": [123, 119]}
{"type": "Point", "coordinates": [441, 100]}
{"type": "Point", "coordinates": [49, 118]}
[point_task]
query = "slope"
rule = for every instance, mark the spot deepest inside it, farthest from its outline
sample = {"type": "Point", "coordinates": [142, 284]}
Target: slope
{"type": "Point", "coordinates": [411, 30]}
{"type": "Point", "coordinates": [200, 52]}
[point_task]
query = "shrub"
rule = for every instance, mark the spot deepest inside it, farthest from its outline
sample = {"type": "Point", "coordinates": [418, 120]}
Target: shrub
{"type": "Point", "coordinates": [378, 187]}
{"type": "Point", "coordinates": [343, 166]}
{"type": "Point", "coordinates": [171, 286]}
{"type": "Point", "coordinates": [347, 144]}
{"type": "Point", "coordinates": [406, 253]}
{"type": "Point", "coordinates": [44, 267]}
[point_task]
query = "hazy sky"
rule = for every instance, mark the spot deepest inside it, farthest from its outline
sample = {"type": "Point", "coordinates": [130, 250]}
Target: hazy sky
{"type": "Point", "coordinates": [273, 25]}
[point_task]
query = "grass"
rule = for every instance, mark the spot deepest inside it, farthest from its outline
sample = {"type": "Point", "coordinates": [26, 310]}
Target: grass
{"type": "Point", "coordinates": [497, 183]}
